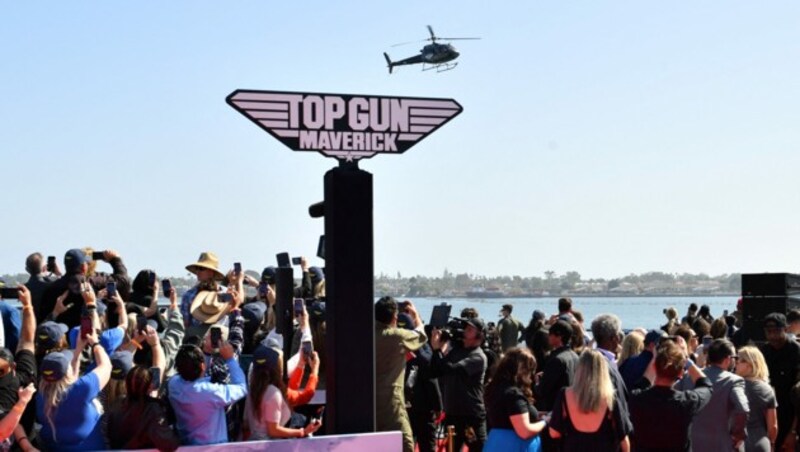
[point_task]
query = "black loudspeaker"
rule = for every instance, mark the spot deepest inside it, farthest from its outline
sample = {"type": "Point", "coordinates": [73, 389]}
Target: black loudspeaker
{"type": "Point", "coordinates": [754, 309]}
{"type": "Point", "coordinates": [770, 285]}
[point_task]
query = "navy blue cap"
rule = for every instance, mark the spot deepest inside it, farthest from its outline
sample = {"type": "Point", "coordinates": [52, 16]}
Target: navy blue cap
{"type": "Point", "coordinates": [121, 364]}
{"type": "Point", "coordinates": [654, 337]}
{"type": "Point", "coordinates": [317, 275]}
{"type": "Point", "coordinates": [74, 259]}
{"type": "Point", "coordinates": [268, 275]}
{"type": "Point", "coordinates": [254, 312]}
{"type": "Point", "coordinates": [49, 334]}
{"type": "Point", "coordinates": [405, 321]}
{"type": "Point", "coordinates": [55, 365]}
{"type": "Point", "coordinates": [266, 355]}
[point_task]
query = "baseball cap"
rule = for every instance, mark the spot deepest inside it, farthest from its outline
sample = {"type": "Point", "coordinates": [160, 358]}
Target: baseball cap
{"type": "Point", "coordinates": [74, 259]}
{"type": "Point", "coordinates": [268, 275]}
{"type": "Point", "coordinates": [405, 321]}
{"type": "Point", "coordinates": [775, 319]}
{"type": "Point", "coordinates": [55, 364]}
{"type": "Point", "coordinates": [317, 275]}
{"type": "Point", "coordinates": [49, 334]}
{"type": "Point", "coordinates": [653, 337]}
{"type": "Point", "coordinates": [477, 323]}
{"type": "Point", "coordinates": [254, 311]}
{"type": "Point", "coordinates": [266, 355]}
{"type": "Point", "coordinates": [121, 364]}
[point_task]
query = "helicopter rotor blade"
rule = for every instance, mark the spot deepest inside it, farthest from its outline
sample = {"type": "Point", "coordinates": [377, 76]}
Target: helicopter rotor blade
{"type": "Point", "coordinates": [457, 39]}
{"type": "Point", "coordinates": [433, 36]}
{"type": "Point", "coordinates": [409, 42]}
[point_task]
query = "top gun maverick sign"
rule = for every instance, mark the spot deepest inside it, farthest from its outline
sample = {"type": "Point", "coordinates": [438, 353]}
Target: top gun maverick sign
{"type": "Point", "coordinates": [344, 126]}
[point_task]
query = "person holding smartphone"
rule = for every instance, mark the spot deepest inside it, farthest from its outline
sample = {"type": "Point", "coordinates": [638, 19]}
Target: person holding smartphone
{"type": "Point", "coordinates": [41, 276]}
{"type": "Point", "coordinates": [267, 410]}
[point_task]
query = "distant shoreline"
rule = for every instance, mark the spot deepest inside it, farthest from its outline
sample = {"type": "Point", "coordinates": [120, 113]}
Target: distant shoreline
{"type": "Point", "coordinates": [603, 295]}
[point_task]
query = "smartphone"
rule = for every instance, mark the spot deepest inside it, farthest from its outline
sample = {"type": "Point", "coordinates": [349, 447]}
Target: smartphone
{"type": "Point", "coordinates": [440, 315]}
{"type": "Point", "coordinates": [237, 268]}
{"type": "Point", "coordinates": [308, 348]}
{"type": "Point", "coordinates": [283, 260]}
{"type": "Point", "coordinates": [216, 337]}
{"type": "Point", "coordinates": [98, 255]}
{"type": "Point", "coordinates": [296, 260]}
{"type": "Point", "coordinates": [298, 306]}
{"type": "Point", "coordinates": [155, 376]}
{"type": "Point", "coordinates": [707, 341]}
{"type": "Point", "coordinates": [152, 278]}
{"type": "Point", "coordinates": [141, 323]}
{"type": "Point", "coordinates": [166, 286]}
{"type": "Point", "coordinates": [51, 264]}
{"type": "Point", "coordinates": [226, 297]}
{"type": "Point", "coordinates": [9, 293]}
{"type": "Point", "coordinates": [111, 288]}
{"type": "Point", "coordinates": [86, 325]}
{"type": "Point", "coordinates": [262, 289]}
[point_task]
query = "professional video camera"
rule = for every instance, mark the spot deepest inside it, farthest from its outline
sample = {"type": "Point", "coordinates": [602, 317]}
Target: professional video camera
{"type": "Point", "coordinates": [454, 330]}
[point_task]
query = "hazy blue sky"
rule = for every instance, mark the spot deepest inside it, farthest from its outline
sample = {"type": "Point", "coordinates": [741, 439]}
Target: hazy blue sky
{"type": "Point", "coordinates": [597, 136]}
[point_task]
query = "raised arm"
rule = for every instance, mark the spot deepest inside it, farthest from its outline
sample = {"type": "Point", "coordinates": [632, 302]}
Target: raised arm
{"type": "Point", "coordinates": [28, 321]}
{"type": "Point", "coordinates": [10, 421]}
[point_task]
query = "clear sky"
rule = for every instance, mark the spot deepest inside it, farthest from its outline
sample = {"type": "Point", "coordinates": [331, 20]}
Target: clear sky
{"type": "Point", "coordinates": [605, 137]}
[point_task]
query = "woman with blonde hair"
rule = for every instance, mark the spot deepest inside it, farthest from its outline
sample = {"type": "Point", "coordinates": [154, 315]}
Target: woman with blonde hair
{"type": "Point", "coordinates": [632, 345]}
{"type": "Point", "coordinates": [762, 423]}
{"type": "Point", "coordinates": [587, 414]}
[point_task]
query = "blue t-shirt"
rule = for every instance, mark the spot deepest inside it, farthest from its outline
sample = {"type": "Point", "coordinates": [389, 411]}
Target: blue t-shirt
{"type": "Point", "coordinates": [76, 419]}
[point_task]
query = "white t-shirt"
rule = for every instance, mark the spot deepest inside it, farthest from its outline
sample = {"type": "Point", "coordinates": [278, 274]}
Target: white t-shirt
{"type": "Point", "coordinates": [273, 409]}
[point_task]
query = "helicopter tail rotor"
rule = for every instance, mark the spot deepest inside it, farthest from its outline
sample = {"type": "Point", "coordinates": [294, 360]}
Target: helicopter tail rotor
{"type": "Point", "coordinates": [388, 62]}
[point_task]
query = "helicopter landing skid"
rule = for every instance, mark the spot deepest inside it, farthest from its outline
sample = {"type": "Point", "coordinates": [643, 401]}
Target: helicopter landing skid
{"type": "Point", "coordinates": [441, 67]}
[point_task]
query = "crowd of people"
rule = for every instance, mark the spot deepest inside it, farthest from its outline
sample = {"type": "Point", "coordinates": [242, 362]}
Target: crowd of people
{"type": "Point", "coordinates": [698, 383]}
{"type": "Point", "coordinates": [90, 361]}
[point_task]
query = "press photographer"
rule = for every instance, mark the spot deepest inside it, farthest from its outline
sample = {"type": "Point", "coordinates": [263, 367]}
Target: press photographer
{"type": "Point", "coordinates": [460, 363]}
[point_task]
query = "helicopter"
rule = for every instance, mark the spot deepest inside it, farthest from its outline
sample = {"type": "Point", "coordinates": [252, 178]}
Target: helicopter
{"type": "Point", "coordinates": [432, 56]}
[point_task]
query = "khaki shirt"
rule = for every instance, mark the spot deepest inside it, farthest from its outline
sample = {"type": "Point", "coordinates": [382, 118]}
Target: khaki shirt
{"type": "Point", "coordinates": [391, 346]}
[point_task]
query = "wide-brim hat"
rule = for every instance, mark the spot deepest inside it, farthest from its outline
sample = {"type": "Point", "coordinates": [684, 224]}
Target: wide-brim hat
{"type": "Point", "coordinates": [208, 261]}
{"type": "Point", "coordinates": [208, 307]}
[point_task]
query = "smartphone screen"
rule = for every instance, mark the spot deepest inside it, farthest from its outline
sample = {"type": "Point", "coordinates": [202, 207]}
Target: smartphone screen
{"type": "Point", "coordinates": [226, 297]}
{"type": "Point", "coordinates": [237, 268]}
{"type": "Point", "coordinates": [9, 293]}
{"type": "Point", "coordinates": [216, 337]}
{"type": "Point", "coordinates": [262, 289]}
{"type": "Point", "coordinates": [51, 264]}
{"type": "Point", "coordinates": [86, 325]}
{"type": "Point", "coordinates": [152, 278]}
{"type": "Point", "coordinates": [298, 306]}
{"type": "Point", "coordinates": [707, 341]}
{"type": "Point", "coordinates": [111, 288]}
{"type": "Point", "coordinates": [98, 256]}
{"type": "Point", "coordinates": [283, 260]}
{"type": "Point", "coordinates": [141, 323]}
{"type": "Point", "coordinates": [308, 348]}
{"type": "Point", "coordinates": [166, 286]}
{"type": "Point", "coordinates": [155, 374]}
{"type": "Point", "coordinates": [296, 260]}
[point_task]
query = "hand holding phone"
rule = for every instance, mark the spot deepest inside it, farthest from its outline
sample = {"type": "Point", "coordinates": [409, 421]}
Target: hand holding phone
{"type": "Point", "coordinates": [237, 268]}
{"type": "Point", "coordinates": [297, 260]}
{"type": "Point", "coordinates": [308, 349]}
{"type": "Point", "coordinates": [226, 297]}
{"type": "Point", "coordinates": [111, 289]}
{"type": "Point", "coordinates": [86, 325]}
{"type": "Point", "coordinates": [155, 377]}
{"type": "Point", "coordinates": [298, 306]}
{"type": "Point", "coordinates": [166, 286]}
{"type": "Point", "coordinates": [9, 293]}
{"type": "Point", "coordinates": [216, 336]}
{"type": "Point", "coordinates": [98, 255]}
{"type": "Point", "coordinates": [51, 264]}
{"type": "Point", "coordinates": [141, 324]}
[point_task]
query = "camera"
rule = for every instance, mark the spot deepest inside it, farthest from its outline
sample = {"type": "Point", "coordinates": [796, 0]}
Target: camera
{"type": "Point", "coordinates": [454, 330]}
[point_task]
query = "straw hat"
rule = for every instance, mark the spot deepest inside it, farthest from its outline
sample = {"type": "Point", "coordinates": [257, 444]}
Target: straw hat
{"type": "Point", "coordinates": [208, 307]}
{"type": "Point", "coordinates": [209, 261]}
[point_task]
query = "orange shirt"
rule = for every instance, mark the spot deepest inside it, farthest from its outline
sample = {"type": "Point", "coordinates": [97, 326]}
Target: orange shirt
{"type": "Point", "coordinates": [294, 395]}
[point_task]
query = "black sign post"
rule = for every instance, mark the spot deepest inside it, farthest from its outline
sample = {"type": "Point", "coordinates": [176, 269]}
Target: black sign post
{"type": "Point", "coordinates": [347, 127]}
